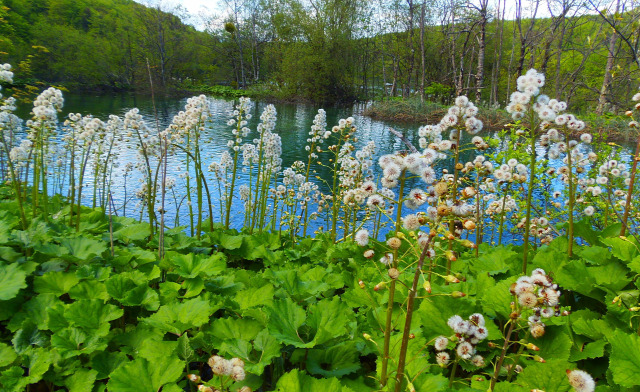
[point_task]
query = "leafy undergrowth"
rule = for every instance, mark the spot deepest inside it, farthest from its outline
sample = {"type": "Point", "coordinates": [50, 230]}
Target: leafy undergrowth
{"type": "Point", "coordinates": [77, 315]}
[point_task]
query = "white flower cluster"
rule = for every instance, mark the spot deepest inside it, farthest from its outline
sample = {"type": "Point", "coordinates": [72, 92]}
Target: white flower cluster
{"type": "Point", "coordinates": [503, 204]}
{"type": "Point", "coordinates": [581, 381]}
{"type": "Point", "coordinates": [355, 172]}
{"type": "Point", "coordinates": [45, 109]}
{"type": "Point", "coordinates": [224, 367]}
{"type": "Point", "coordinates": [480, 165]}
{"type": "Point", "coordinates": [189, 120]}
{"type": "Point", "coordinates": [539, 293]}
{"type": "Point", "coordinates": [393, 165]}
{"type": "Point", "coordinates": [317, 134]}
{"type": "Point", "coordinates": [512, 171]}
{"type": "Point", "coordinates": [468, 333]}
{"type": "Point", "coordinates": [239, 121]}
{"type": "Point", "coordinates": [5, 75]}
{"type": "Point", "coordinates": [460, 116]}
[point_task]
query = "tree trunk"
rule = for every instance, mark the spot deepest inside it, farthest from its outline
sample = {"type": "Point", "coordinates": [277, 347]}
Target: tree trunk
{"type": "Point", "coordinates": [422, 68]}
{"type": "Point", "coordinates": [481, 48]}
{"type": "Point", "coordinates": [602, 100]}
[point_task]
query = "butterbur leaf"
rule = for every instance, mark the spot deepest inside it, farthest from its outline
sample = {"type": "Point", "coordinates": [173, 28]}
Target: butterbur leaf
{"type": "Point", "coordinates": [296, 381]}
{"type": "Point", "coordinates": [178, 317]}
{"type": "Point", "coordinates": [132, 232]}
{"type": "Point", "coordinates": [83, 249]}
{"type": "Point", "coordinates": [106, 362]}
{"type": "Point", "coordinates": [497, 261]}
{"type": "Point", "coordinates": [328, 319]}
{"type": "Point", "coordinates": [7, 355]}
{"type": "Point", "coordinates": [625, 249]}
{"type": "Point", "coordinates": [255, 296]}
{"type": "Point", "coordinates": [555, 344]}
{"type": "Point", "coordinates": [131, 289]}
{"type": "Point", "coordinates": [192, 265]}
{"type": "Point", "coordinates": [140, 375]}
{"type": "Point", "coordinates": [231, 328]}
{"type": "Point", "coordinates": [12, 279]}
{"type": "Point", "coordinates": [72, 342]}
{"type": "Point", "coordinates": [336, 361]}
{"type": "Point", "coordinates": [625, 358]}
{"type": "Point", "coordinates": [549, 377]}
{"type": "Point", "coordinates": [590, 350]}
{"type": "Point", "coordinates": [185, 352]}
{"type": "Point", "coordinates": [285, 317]}
{"type": "Point", "coordinates": [28, 336]}
{"type": "Point", "coordinates": [92, 314]}
{"type": "Point", "coordinates": [81, 381]}
{"type": "Point", "coordinates": [57, 283]}
{"type": "Point", "coordinates": [431, 382]}
{"type": "Point", "coordinates": [435, 311]}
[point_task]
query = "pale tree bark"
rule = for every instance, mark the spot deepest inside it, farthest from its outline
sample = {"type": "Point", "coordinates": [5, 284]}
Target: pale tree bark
{"type": "Point", "coordinates": [495, 72]}
{"type": "Point", "coordinates": [525, 37]}
{"type": "Point", "coordinates": [407, 89]}
{"type": "Point", "coordinates": [482, 10]}
{"type": "Point", "coordinates": [422, 65]}
{"type": "Point", "coordinates": [606, 82]}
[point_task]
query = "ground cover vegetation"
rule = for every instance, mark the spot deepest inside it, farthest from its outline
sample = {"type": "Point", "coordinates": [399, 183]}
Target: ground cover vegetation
{"type": "Point", "coordinates": [405, 282]}
{"type": "Point", "coordinates": [287, 49]}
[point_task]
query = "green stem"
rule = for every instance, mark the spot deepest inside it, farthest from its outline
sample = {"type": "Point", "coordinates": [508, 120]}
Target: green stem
{"type": "Point", "coordinates": [532, 172]}
{"type": "Point", "coordinates": [496, 372]}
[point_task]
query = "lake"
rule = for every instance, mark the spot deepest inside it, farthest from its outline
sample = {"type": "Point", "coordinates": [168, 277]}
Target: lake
{"type": "Point", "coordinates": [293, 125]}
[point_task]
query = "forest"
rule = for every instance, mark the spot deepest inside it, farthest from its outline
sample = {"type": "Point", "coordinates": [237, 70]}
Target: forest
{"type": "Point", "coordinates": [331, 50]}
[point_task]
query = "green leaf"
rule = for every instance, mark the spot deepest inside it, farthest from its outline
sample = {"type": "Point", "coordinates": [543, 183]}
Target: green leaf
{"type": "Point", "coordinates": [106, 362]}
{"type": "Point", "coordinates": [336, 361]}
{"type": "Point", "coordinates": [89, 289]}
{"type": "Point", "coordinates": [555, 344]}
{"type": "Point", "coordinates": [84, 249]}
{"type": "Point", "coordinates": [255, 297]}
{"type": "Point", "coordinates": [132, 232]}
{"type": "Point", "coordinates": [7, 355]}
{"type": "Point", "coordinates": [496, 300]}
{"type": "Point", "coordinates": [435, 311]}
{"type": "Point", "coordinates": [81, 381]}
{"type": "Point", "coordinates": [431, 382]}
{"type": "Point", "coordinates": [179, 317]}
{"type": "Point", "coordinates": [594, 254]}
{"type": "Point", "coordinates": [497, 261]}
{"type": "Point", "coordinates": [624, 361]}
{"type": "Point", "coordinates": [634, 265]}
{"type": "Point", "coordinates": [549, 377]}
{"type": "Point", "coordinates": [625, 249]}
{"type": "Point", "coordinates": [285, 317]}
{"type": "Point", "coordinates": [12, 279]}
{"type": "Point", "coordinates": [131, 289]}
{"type": "Point", "coordinates": [296, 381]}
{"type": "Point", "coordinates": [185, 352]}
{"type": "Point", "coordinates": [328, 319]}
{"type": "Point", "coordinates": [590, 350]}
{"type": "Point", "coordinates": [57, 283]}
{"type": "Point", "coordinates": [141, 375]}
{"type": "Point", "coordinates": [231, 328]}
{"type": "Point", "coordinates": [28, 336]}
{"type": "Point", "coordinates": [192, 265]}
{"type": "Point", "coordinates": [92, 314]}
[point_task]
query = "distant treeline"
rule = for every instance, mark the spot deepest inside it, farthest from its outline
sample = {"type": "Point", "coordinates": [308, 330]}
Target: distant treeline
{"type": "Point", "coordinates": [332, 50]}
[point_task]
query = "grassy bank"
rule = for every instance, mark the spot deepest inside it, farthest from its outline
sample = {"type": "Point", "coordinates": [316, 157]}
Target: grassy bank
{"type": "Point", "coordinates": [607, 127]}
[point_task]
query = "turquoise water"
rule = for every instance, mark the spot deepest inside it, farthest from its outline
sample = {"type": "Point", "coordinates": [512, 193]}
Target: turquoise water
{"type": "Point", "coordinates": [293, 125]}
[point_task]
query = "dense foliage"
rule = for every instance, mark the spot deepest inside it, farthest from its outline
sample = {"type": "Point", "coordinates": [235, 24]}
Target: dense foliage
{"type": "Point", "coordinates": [330, 51]}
